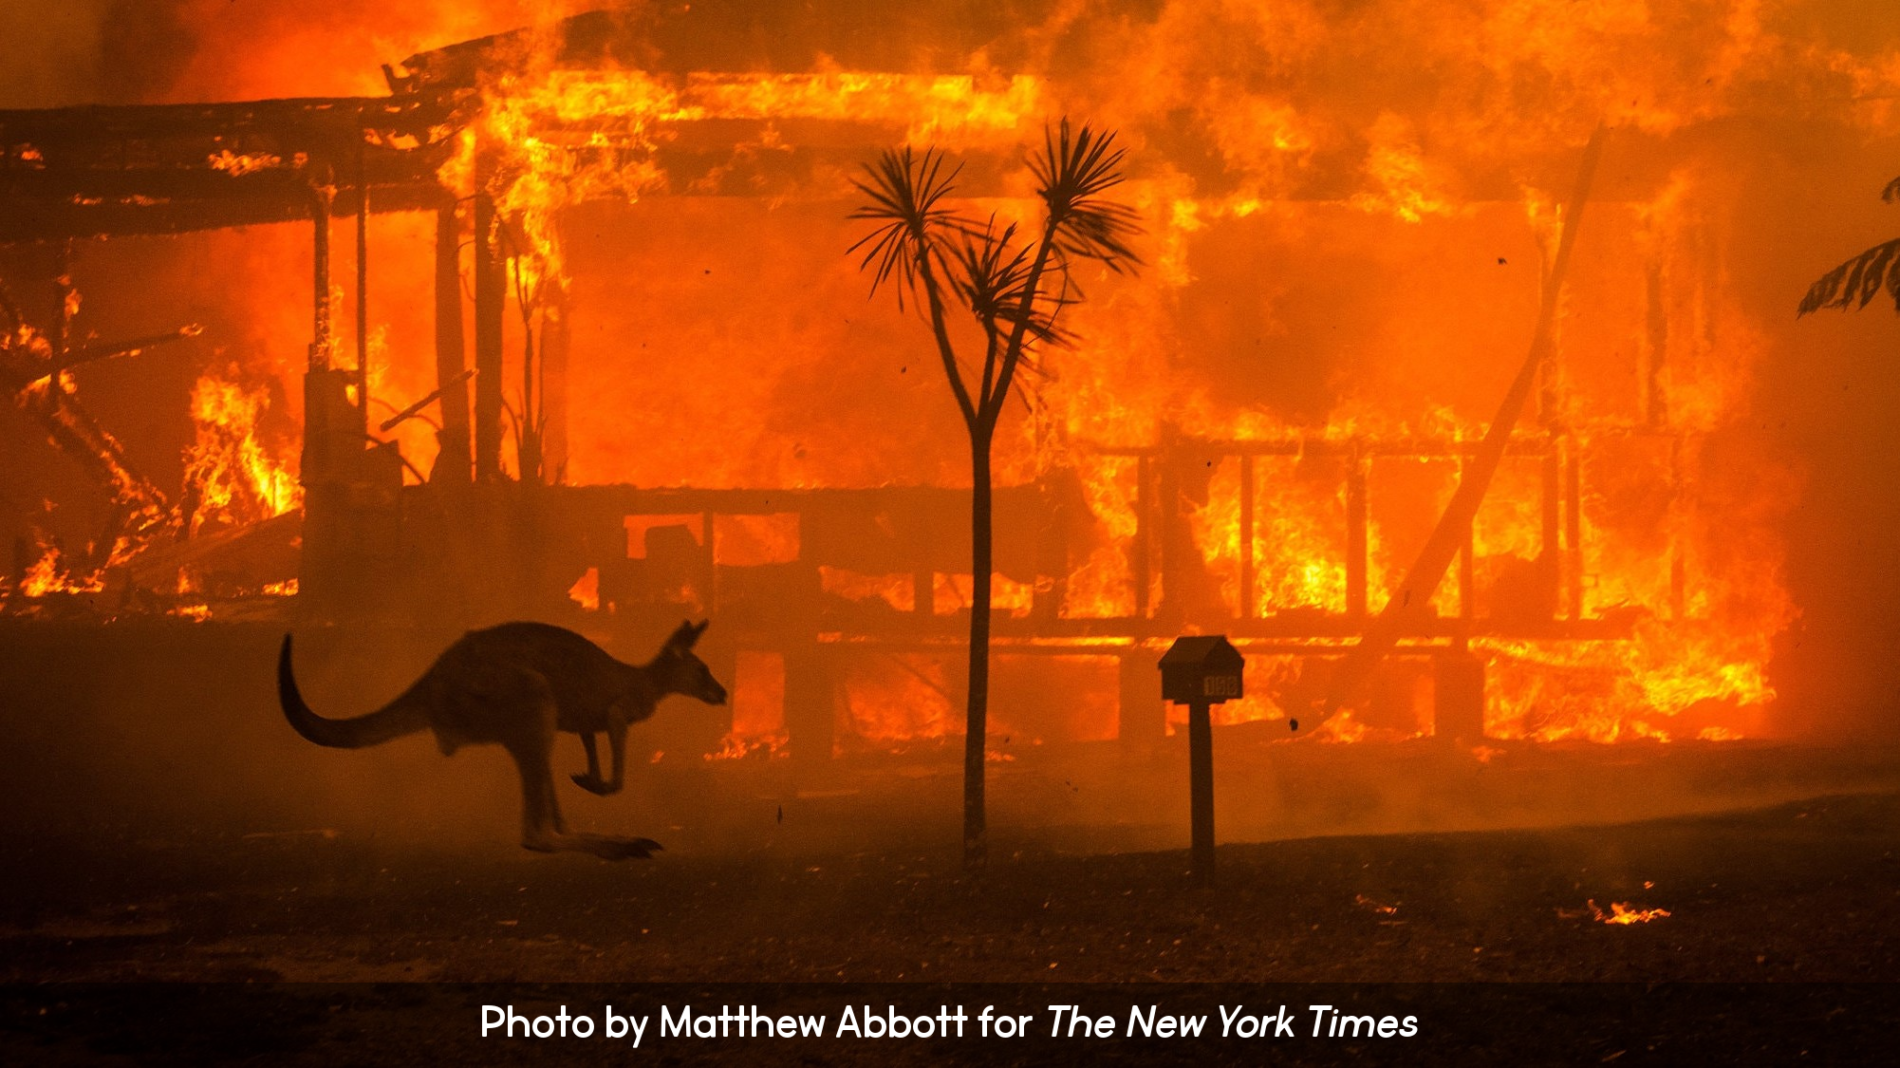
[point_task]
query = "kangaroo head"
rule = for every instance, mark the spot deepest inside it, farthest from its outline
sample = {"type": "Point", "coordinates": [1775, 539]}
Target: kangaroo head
{"type": "Point", "coordinates": [679, 671]}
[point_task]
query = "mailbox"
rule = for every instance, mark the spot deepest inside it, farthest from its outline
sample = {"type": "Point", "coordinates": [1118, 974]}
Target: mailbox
{"type": "Point", "coordinates": [1200, 672]}
{"type": "Point", "coordinates": [1203, 668]}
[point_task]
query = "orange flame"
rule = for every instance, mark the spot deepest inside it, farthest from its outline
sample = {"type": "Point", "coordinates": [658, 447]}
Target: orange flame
{"type": "Point", "coordinates": [235, 477]}
{"type": "Point", "coordinates": [1622, 913]}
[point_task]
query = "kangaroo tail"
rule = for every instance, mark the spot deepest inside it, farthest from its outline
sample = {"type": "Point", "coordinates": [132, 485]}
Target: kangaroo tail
{"type": "Point", "coordinates": [405, 715]}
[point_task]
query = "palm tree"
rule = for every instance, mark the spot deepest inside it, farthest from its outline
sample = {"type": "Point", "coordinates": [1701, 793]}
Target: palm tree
{"type": "Point", "coordinates": [1014, 287]}
{"type": "Point", "coordinates": [1854, 284]}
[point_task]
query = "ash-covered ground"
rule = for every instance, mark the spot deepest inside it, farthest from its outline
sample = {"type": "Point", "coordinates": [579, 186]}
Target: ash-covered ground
{"type": "Point", "coordinates": [1808, 891]}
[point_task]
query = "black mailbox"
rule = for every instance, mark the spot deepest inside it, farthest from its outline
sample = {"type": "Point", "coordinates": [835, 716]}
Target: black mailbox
{"type": "Point", "coordinates": [1200, 672]}
{"type": "Point", "coordinates": [1202, 668]}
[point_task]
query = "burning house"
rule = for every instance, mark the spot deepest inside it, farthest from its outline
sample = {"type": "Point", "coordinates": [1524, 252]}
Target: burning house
{"type": "Point", "coordinates": [558, 323]}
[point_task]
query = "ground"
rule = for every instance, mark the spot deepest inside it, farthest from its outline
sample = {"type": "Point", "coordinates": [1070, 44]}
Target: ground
{"type": "Point", "coordinates": [1808, 892]}
{"type": "Point", "coordinates": [1803, 894]}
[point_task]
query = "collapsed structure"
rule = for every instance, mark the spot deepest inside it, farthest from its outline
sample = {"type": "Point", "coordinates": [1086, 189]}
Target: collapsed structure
{"type": "Point", "coordinates": [1603, 588]}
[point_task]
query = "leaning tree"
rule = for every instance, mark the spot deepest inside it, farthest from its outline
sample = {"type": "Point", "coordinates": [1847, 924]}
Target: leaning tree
{"type": "Point", "coordinates": [1857, 282]}
{"type": "Point", "coordinates": [1013, 284]}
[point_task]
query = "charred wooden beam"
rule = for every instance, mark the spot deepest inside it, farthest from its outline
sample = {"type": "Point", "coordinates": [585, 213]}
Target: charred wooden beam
{"type": "Point", "coordinates": [26, 219]}
{"type": "Point", "coordinates": [431, 397]}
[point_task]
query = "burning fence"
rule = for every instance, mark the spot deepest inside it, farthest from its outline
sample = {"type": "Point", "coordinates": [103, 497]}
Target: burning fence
{"type": "Point", "coordinates": [634, 222]}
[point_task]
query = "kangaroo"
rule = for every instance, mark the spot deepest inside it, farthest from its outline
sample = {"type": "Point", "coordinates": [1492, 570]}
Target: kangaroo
{"type": "Point", "coordinates": [515, 686]}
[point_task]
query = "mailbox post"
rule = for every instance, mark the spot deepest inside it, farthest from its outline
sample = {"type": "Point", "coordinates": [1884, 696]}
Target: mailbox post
{"type": "Point", "coordinates": [1201, 671]}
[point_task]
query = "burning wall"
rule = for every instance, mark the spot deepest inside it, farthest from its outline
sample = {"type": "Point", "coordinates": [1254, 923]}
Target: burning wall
{"type": "Point", "coordinates": [1345, 242]}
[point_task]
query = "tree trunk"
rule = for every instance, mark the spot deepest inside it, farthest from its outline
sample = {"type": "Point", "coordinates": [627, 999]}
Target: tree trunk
{"type": "Point", "coordinates": [976, 720]}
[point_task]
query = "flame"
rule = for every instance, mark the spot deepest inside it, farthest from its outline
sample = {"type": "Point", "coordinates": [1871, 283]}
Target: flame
{"type": "Point", "coordinates": [1263, 196]}
{"type": "Point", "coordinates": [49, 575]}
{"type": "Point", "coordinates": [1622, 913]}
{"type": "Point", "coordinates": [236, 164]}
{"type": "Point", "coordinates": [235, 478]}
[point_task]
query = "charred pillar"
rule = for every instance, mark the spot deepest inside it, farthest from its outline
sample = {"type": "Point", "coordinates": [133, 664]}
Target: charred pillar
{"type": "Point", "coordinates": [362, 293]}
{"type": "Point", "coordinates": [352, 495]}
{"type": "Point", "coordinates": [1550, 559]}
{"type": "Point", "coordinates": [491, 292]}
{"type": "Point", "coordinates": [1573, 530]}
{"type": "Point", "coordinates": [1458, 696]}
{"type": "Point", "coordinates": [810, 706]}
{"type": "Point", "coordinates": [810, 671]}
{"type": "Point", "coordinates": [452, 457]}
{"type": "Point", "coordinates": [556, 330]}
{"type": "Point", "coordinates": [1142, 717]}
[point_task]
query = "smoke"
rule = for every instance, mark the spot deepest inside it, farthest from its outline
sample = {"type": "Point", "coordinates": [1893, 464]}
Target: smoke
{"type": "Point", "coordinates": [187, 51]}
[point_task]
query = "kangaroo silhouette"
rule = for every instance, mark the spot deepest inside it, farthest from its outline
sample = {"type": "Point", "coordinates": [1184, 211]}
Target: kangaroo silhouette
{"type": "Point", "coordinates": [515, 686]}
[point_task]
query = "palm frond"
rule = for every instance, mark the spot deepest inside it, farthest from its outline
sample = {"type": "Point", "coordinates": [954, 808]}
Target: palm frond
{"type": "Point", "coordinates": [1854, 284]}
{"type": "Point", "coordinates": [1072, 173]}
{"type": "Point", "coordinates": [1892, 192]}
{"type": "Point", "coordinates": [906, 199]}
{"type": "Point", "coordinates": [992, 279]}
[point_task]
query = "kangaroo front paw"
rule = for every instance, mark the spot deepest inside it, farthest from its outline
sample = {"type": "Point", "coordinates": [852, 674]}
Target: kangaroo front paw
{"type": "Point", "coordinates": [593, 784]}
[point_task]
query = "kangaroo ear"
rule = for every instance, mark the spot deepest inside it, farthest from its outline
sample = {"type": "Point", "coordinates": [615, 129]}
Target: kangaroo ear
{"type": "Point", "coordinates": [682, 635]}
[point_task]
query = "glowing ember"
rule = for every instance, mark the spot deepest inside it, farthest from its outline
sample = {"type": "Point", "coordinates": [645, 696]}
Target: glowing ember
{"type": "Point", "coordinates": [1374, 905]}
{"type": "Point", "coordinates": [1623, 913]}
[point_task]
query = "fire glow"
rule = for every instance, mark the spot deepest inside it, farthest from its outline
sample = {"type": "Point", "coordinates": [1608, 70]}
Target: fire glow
{"type": "Point", "coordinates": [1623, 914]}
{"type": "Point", "coordinates": [1258, 428]}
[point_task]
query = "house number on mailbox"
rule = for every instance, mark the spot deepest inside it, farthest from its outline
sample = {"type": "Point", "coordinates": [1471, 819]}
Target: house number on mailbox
{"type": "Point", "coordinates": [1220, 686]}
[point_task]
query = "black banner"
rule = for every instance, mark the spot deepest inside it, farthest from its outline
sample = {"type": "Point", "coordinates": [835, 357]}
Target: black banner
{"type": "Point", "coordinates": [803, 1024]}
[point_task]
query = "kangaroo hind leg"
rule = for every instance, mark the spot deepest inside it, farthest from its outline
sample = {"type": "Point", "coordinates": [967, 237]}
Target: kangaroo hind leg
{"type": "Point", "coordinates": [532, 748]}
{"type": "Point", "coordinates": [542, 828]}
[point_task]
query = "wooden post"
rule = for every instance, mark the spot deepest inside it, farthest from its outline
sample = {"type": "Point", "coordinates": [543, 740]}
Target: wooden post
{"type": "Point", "coordinates": [362, 292]}
{"type": "Point", "coordinates": [320, 284]}
{"type": "Point", "coordinates": [491, 292]}
{"type": "Point", "coordinates": [556, 339]}
{"type": "Point", "coordinates": [1573, 529]}
{"type": "Point", "coordinates": [451, 463]}
{"type": "Point", "coordinates": [1467, 580]}
{"type": "Point", "coordinates": [1201, 790]}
